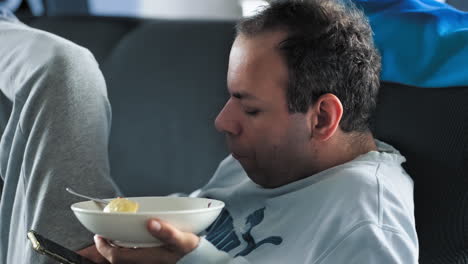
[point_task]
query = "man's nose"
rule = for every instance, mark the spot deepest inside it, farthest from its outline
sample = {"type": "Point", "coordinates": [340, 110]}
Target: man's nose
{"type": "Point", "coordinates": [226, 121]}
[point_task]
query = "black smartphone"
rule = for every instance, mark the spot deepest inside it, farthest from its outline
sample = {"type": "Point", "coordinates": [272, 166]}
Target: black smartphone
{"type": "Point", "coordinates": [55, 251]}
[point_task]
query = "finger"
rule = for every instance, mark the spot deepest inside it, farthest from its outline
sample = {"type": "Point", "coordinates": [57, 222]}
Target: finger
{"type": "Point", "coordinates": [92, 254]}
{"type": "Point", "coordinates": [105, 249]}
{"type": "Point", "coordinates": [182, 242]}
{"type": "Point", "coordinates": [118, 255]}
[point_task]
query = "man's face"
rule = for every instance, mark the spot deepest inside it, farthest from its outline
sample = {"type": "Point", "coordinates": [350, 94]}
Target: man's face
{"type": "Point", "coordinates": [271, 144]}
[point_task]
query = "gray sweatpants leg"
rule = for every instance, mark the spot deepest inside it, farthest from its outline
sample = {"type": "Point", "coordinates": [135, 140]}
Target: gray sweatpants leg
{"type": "Point", "coordinates": [55, 135]}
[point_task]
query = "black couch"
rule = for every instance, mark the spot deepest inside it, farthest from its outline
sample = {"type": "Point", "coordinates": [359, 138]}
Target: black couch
{"type": "Point", "coordinates": [166, 83]}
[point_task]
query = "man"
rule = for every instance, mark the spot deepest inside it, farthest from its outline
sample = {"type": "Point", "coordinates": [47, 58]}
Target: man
{"type": "Point", "coordinates": [306, 181]}
{"type": "Point", "coordinates": [55, 122]}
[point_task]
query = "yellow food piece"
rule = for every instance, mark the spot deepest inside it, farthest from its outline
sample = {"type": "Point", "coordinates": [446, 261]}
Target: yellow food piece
{"type": "Point", "coordinates": [121, 205]}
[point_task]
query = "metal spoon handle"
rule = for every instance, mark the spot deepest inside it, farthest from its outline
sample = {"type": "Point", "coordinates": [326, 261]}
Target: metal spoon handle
{"type": "Point", "coordinates": [86, 197]}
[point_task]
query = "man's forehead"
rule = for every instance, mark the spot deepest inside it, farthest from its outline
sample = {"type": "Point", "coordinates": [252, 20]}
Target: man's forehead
{"type": "Point", "coordinates": [256, 67]}
{"type": "Point", "coordinates": [251, 52]}
{"type": "Point", "coordinates": [266, 41]}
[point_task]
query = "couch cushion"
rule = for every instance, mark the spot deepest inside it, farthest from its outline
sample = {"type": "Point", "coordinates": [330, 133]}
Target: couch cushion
{"type": "Point", "coordinates": [430, 127]}
{"type": "Point", "coordinates": [167, 82]}
{"type": "Point", "coordinates": [99, 34]}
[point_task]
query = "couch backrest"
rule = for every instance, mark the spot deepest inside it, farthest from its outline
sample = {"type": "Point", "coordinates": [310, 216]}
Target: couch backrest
{"type": "Point", "coordinates": [430, 128]}
{"type": "Point", "coordinates": [167, 83]}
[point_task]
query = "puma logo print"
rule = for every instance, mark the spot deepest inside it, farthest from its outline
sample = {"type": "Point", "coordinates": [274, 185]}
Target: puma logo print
{"type": "Point", "coordinates": [222, 235]}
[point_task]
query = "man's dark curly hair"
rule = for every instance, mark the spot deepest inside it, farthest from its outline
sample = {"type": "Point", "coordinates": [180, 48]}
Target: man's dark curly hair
{"type": "Point", "coordinates": [329, 49]}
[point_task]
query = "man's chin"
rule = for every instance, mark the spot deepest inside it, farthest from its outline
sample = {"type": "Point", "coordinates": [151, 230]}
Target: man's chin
{"type": "Point", "coordinates": [258, 179]}
{"type": "Point", "coordinates": [245, 162]}
{"type": "Point", "coordinates": [237, 156]}
{"type": "Point", "coordinates": [250, 169]}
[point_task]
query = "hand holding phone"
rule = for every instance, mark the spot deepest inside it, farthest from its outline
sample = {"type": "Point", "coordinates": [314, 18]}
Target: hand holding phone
{"type": "Point", "coordinates": [61, 254]}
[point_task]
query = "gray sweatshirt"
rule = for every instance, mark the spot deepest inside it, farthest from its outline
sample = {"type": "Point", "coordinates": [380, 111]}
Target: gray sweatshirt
{"type": "Point", "coordinates": [54, 125]}
{"type": "Point", "coordinates": [359, 212]}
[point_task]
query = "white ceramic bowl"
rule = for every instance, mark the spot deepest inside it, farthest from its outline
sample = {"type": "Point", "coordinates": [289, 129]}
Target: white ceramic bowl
{"type": "Point", "coordinates": [129, 229]}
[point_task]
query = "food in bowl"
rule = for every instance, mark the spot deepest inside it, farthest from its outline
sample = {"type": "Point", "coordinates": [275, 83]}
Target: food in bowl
{"type": "Point", "coordinates": [121, 205]}
{"type": "Point", "coordinates": [188, 214]}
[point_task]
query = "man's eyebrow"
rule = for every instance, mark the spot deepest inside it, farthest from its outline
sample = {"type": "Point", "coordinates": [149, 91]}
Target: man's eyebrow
{"type": "Point", "coordinates": [242, 95]}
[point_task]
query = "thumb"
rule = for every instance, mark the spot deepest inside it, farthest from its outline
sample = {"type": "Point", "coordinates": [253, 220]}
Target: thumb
{"type": "Point", "coordinates": [182, 242]}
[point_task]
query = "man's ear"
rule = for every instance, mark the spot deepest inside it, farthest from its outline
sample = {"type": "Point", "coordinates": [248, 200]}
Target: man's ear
{"type": "Point", "coordinates": [325, 116]}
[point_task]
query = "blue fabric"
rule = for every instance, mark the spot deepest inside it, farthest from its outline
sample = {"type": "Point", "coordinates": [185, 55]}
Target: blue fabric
{"type": "Point", "coordinates": [423, 42]}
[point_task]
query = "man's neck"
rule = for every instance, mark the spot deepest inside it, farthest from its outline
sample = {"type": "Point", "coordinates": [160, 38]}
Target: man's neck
{"type": "Point", "coordinates": [340, 149]}
{"type": "Point", "coordinates": [344, 148]}
{"type": "Point", "coordinates": [360, 144]}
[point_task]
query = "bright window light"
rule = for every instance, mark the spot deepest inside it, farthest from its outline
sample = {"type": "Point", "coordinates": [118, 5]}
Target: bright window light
{"type": "Point", "coordinates": [251, 7]}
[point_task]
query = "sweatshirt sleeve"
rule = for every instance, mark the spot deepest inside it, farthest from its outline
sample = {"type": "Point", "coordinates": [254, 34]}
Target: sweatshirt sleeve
{"type": "Point", "coordinates": [207, 253]}
{"type": "Point", "coordinates": [371, 243]}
